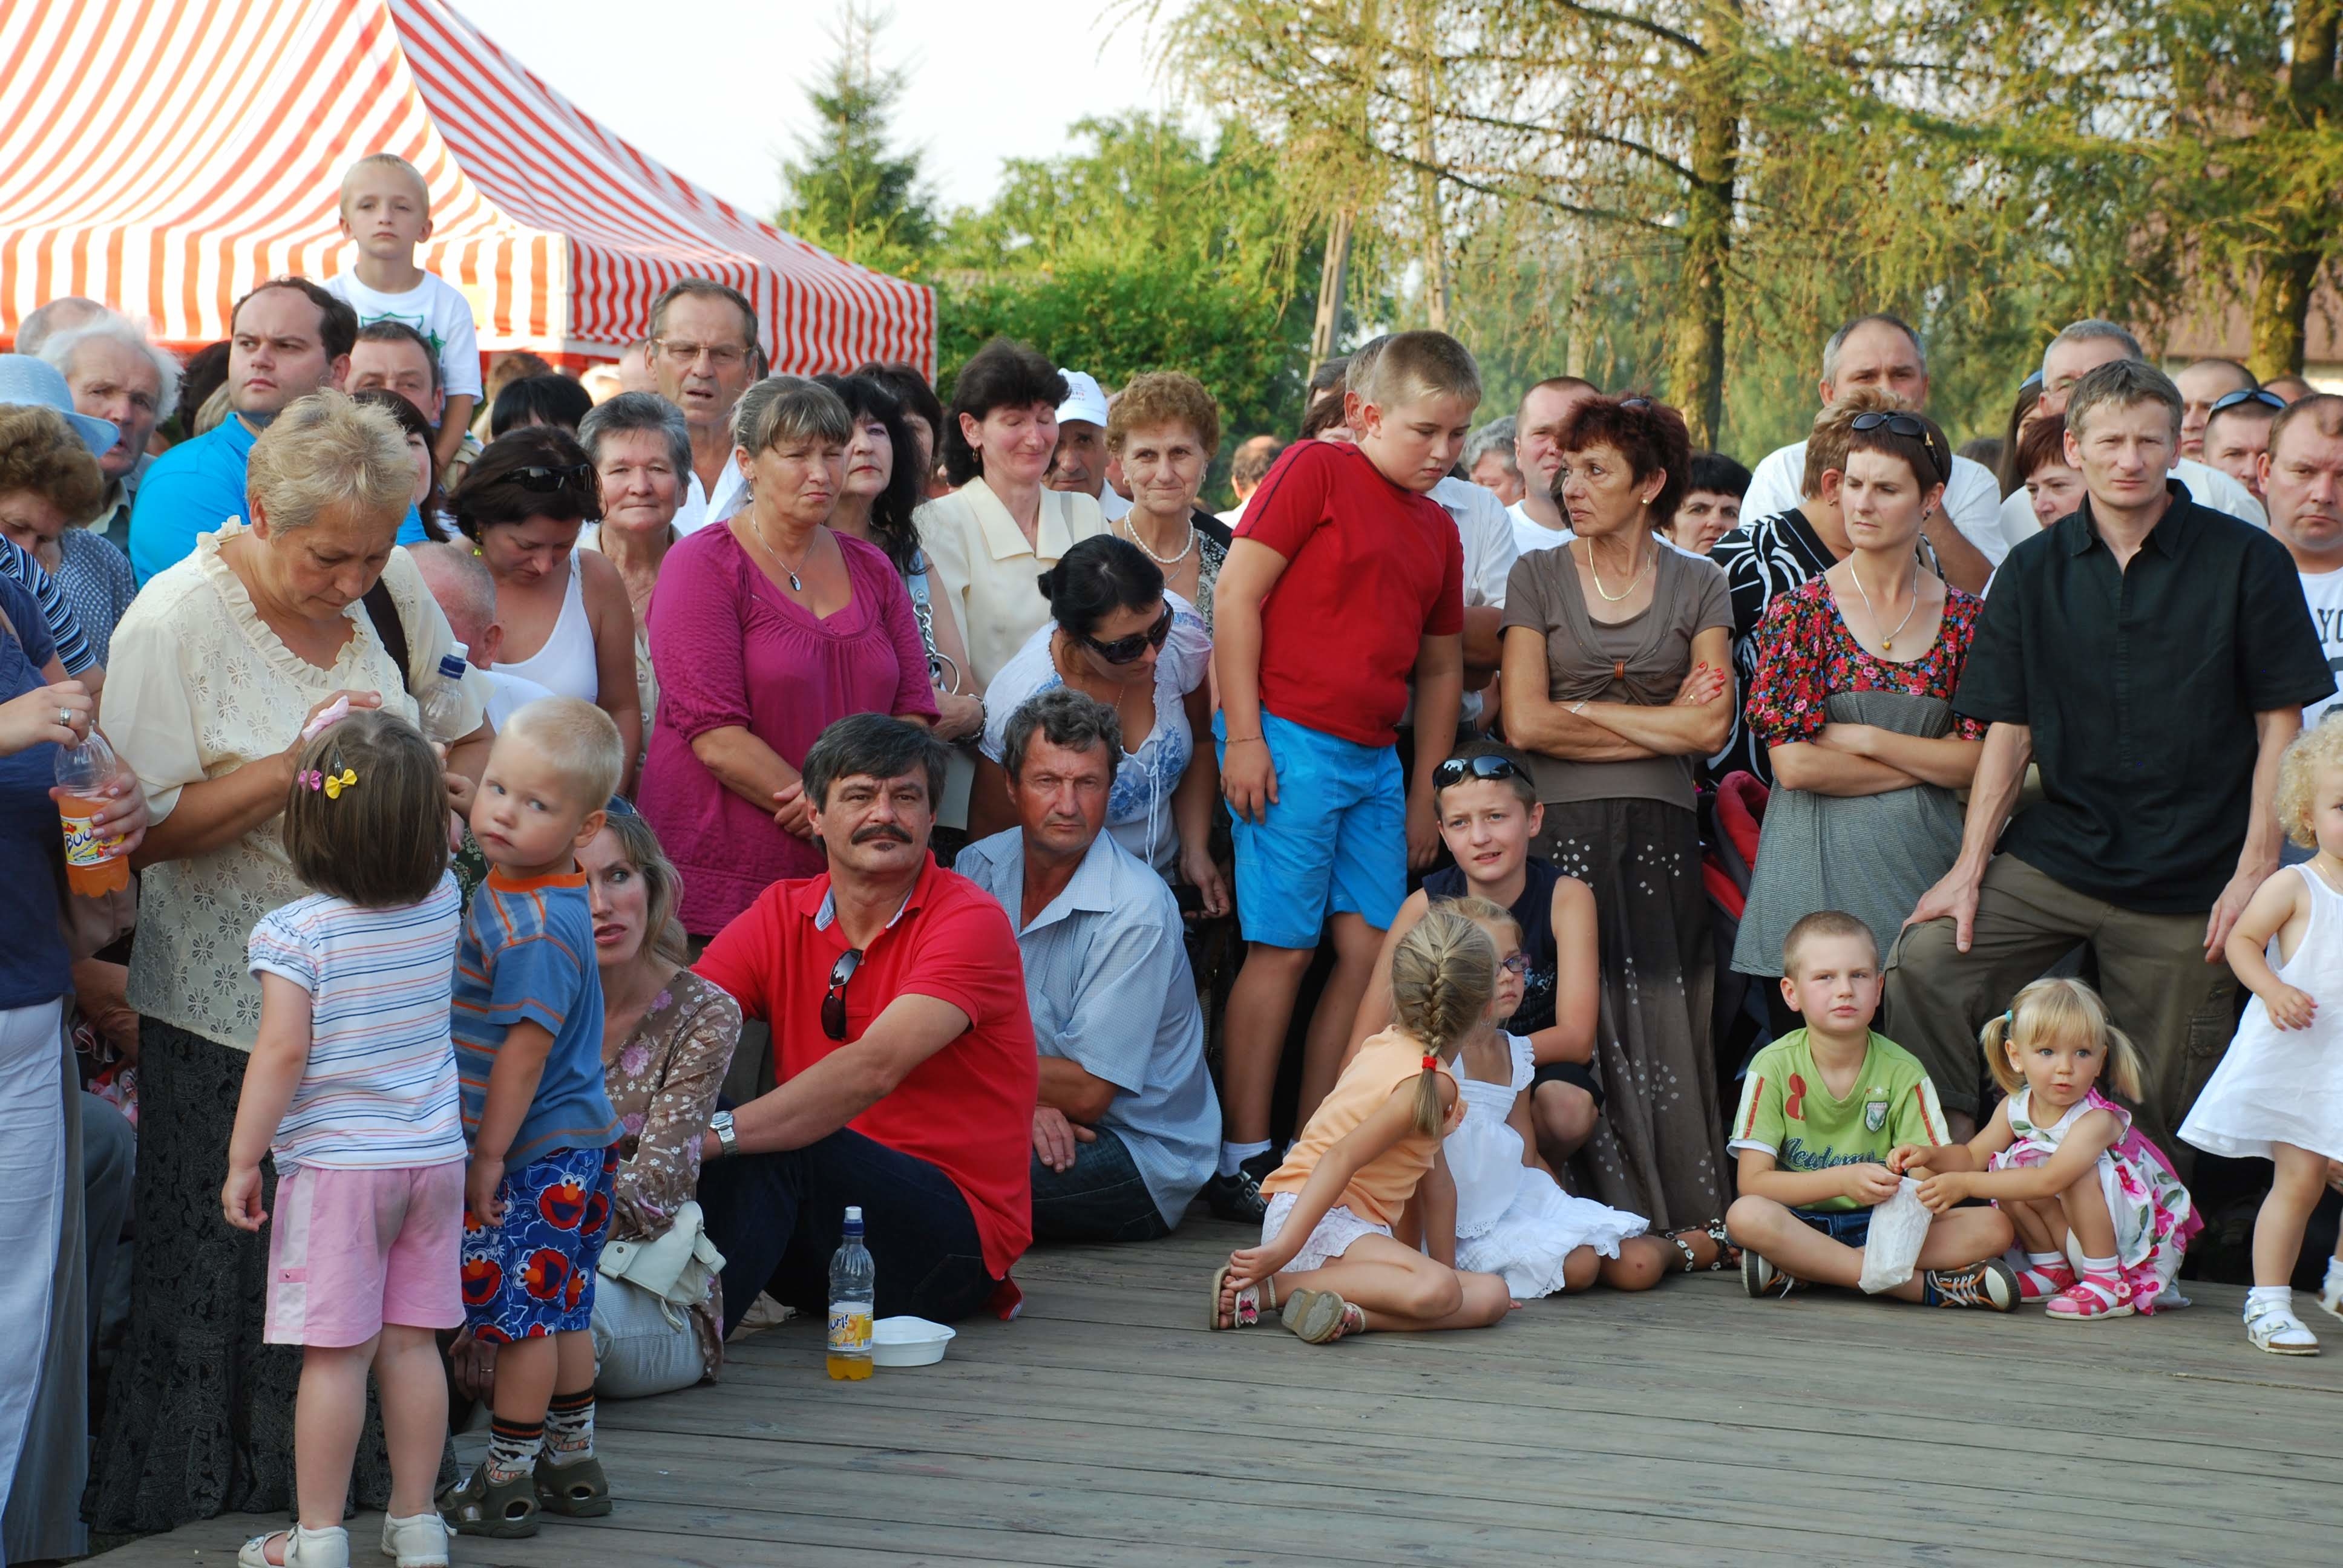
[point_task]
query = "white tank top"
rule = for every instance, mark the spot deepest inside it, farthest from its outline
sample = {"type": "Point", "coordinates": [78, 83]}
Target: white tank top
{"type": "Point", "coordinates": [565, 665]}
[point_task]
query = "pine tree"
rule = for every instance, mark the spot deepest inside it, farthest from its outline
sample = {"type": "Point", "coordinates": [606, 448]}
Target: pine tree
{"type": "Point", "coordinates": [848, 191]}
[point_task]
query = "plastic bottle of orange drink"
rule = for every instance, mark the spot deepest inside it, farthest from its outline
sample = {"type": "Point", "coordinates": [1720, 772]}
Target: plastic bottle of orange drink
{"type": "Point", "coordinates": [853, 1288]}
{"type": "Point", "coordinates": [94, 861]}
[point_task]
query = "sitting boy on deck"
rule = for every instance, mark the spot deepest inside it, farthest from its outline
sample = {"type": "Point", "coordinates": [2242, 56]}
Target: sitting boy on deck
{"type": "Point", "coordinates": [1821, 1110]}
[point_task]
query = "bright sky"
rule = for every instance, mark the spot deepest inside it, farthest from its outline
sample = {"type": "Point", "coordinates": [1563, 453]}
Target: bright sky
{"type": "Point", "coordinates": [724, 100]}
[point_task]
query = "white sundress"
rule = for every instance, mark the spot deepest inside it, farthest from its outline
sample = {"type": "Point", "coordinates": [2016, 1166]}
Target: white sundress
{"type": "Point", "coordinates": [2284, 1085]}
{"type": "Point", "coordinates": [1512, 1219]}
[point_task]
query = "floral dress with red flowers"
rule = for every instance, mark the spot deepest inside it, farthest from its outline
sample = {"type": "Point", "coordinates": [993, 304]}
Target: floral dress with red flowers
{"type": "Point", "coordinates": [2154, 1215]}
{"type": "Point", "coordinates": [1870, 855]}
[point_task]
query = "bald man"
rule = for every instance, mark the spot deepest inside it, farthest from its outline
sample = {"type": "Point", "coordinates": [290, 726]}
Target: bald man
{"type": "Point", "coordinates": [466, 596]}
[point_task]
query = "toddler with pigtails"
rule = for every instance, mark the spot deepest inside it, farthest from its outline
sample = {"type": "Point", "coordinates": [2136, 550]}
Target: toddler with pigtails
{"type": "Point", "coordinates": [2099, 1213]}
{"type": "Point", "coordinates": [2278, 1094]}
{"type": "Point", "coordinates": [352, 1088]}
{"type": "Point", "coordinates": [1327, 1262]}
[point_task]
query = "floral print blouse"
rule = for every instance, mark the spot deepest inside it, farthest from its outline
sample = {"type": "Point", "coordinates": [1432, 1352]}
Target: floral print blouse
{"type": "Point", "coordinates": [663, 1086]}
{"type": "Point", "coordinates": [1804, 653]}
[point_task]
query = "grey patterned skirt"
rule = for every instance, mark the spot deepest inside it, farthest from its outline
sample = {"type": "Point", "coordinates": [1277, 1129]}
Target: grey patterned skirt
{"type": "Point", "coordinates": [1659, 1149]}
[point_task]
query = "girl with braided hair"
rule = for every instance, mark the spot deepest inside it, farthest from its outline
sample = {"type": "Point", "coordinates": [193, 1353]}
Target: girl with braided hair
{"type": "Point", "coordinates": [1373, 1147]}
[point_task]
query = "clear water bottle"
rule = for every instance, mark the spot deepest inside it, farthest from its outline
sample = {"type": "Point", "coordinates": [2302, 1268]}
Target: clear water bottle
{"type": "Point", "coordinates": [94, 862]}
{"type": "Point", "coordinates": [442, 702]}
{"type": "Point", "coordinates": [853, 1287]}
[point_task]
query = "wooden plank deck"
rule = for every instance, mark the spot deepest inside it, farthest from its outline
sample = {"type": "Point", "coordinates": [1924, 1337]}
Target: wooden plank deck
{"type": "Point", "coordinates": [1688, 1425]}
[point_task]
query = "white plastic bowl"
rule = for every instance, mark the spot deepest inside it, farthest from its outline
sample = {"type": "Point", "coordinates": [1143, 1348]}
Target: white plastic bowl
{"type": "Point", "coordinates": [908, 1342]}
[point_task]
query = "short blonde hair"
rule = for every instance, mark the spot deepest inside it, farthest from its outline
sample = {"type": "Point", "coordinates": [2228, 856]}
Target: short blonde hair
{"type": "Point", "coordinates": [1163, 397]}
{"type": "Point", "coordinates": [2320, 746]}
{"type": "Point", "coordinates": [1825, 923]}
{"type": "Point", "coordinates": [1486, 913]}
{"type": "Point", "coordinates": [385, 161]}
{"type": "Point", "coordinates": [580, 741]}
{"type": "Point", "coordinates": [1411, 364]}
{"type": "Point", "coordinates": [2062, 1009]}
{"type": "Point", "coordinates": [326, 450]}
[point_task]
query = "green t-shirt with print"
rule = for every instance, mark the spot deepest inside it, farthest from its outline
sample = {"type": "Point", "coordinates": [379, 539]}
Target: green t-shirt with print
{"type": "Point", "coordinates": [1787, 1112]}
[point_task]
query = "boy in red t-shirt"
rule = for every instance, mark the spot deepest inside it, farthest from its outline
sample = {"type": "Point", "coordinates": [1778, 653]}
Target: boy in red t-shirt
{"type": "Point", "coordinates": [1345, 582]}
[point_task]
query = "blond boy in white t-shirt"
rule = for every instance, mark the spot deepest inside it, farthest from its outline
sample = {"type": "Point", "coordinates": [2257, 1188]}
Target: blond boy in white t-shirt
{"type": "Point", "coordinates": [387, 212]}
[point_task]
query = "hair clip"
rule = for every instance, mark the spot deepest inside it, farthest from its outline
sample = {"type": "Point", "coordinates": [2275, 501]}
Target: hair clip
{"type": "Point", "coordinates": [1431, 1062]}
{"type": "Point", "coordinates": [332, 784]}
{"type": "Point", "coordinates": [333, 713]}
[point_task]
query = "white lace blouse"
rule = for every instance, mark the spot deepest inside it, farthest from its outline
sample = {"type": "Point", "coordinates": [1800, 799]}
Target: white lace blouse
{"type": "Point", "coordinates": [198, 687]}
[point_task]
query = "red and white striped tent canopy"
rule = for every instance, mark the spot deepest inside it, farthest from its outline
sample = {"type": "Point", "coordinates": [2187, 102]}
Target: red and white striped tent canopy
{"type": "Point", "coordinates": [163, 155]}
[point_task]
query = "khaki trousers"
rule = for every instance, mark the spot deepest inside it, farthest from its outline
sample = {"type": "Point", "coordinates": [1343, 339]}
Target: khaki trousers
{"type": "Point", "coordinates": [2177, 1008]}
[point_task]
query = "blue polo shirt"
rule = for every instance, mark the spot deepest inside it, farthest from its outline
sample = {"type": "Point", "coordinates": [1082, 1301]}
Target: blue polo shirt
{"type": "Point", "coordinates": [195, 487]}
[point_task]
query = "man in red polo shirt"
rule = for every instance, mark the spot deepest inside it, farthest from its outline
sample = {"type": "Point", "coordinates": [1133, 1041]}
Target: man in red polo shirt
{"type": "Point", "coordinates": [902, 1046]}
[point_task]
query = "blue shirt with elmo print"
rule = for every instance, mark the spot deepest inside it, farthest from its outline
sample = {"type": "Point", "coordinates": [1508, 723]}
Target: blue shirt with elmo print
{"type": "Point", "coordinates": [528, 956]}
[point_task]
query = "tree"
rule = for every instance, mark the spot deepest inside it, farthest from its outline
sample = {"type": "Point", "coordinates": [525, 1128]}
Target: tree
{"type": "Point", "coordinates": [848, 191]}
{"type": "Point", "coordinates": [1142, 250]}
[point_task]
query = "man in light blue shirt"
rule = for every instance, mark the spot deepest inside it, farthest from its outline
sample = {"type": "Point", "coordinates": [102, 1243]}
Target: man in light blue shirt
{"type": "Point", "coordinates": [286, 339]}
{"type": "Point", "coordinates": [1127, 1127]}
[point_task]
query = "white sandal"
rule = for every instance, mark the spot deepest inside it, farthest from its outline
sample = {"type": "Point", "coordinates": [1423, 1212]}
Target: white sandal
{"type": "Point", "coordinates": [420, 1541]}
{"type": "Point", "coordinates": [329, 1548]}
{"type": "Point", "coordinates": [2276, 1329]}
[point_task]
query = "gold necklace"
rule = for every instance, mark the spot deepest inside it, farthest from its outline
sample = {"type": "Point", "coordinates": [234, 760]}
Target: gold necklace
{"type": "Point", "coordinates": [1597, 573]}
{"type": "Point", "coordinates": [1887, 643]}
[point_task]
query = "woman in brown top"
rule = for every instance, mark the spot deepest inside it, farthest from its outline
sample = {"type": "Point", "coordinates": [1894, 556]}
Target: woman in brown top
{"type": "Point", "coordinates": [1617, 680]}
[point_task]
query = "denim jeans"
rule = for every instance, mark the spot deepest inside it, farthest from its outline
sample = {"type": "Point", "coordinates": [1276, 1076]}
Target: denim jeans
{"type": "Point", "coordinates": [777, 1217]}
{"type": "Point", "coordinates": [1100, 1198]}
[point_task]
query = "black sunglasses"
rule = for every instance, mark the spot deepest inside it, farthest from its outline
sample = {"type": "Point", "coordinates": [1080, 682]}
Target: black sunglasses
{"type": "Point", "coordinates": [544, 481]}
{"type": "Point", "coordinates": [834, 1001]}
{"type": "Point", "coordinates": [2246, 394]}
{"type": "Point", "coordinates": [1456, 769]}
{"type": "Point", "coordinates": [1907, 426]}
{"type": "Point", "coordinates": [1123, 650]}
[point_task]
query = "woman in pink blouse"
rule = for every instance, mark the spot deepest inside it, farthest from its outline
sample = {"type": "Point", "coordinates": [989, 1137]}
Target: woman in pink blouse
{"type": "Point", "coordinates": [763, 631]}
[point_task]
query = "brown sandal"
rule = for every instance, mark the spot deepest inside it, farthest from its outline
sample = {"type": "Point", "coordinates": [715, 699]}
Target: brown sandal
{"type": "Point", "coordinates": [1246, 1310]}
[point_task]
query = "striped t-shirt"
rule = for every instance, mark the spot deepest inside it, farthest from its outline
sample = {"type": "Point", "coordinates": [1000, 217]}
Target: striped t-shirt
{"type": "Point", "coordinates": [379, 1090]}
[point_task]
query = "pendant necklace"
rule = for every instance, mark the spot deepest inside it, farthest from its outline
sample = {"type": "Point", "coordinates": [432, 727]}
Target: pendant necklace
{"type": "Point", "coordinates": [1597, 573]}
{"type": "Point", "coordinates": [796, 585]}
{"type": "Point", "coordinates": [1887, 643]}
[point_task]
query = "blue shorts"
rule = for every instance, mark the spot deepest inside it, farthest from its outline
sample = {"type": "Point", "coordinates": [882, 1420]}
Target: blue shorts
{"type": "Point", "coordinates": [1851, 1226]}
{"type": "Point", "coordinates": [534, 1274]}
{"type": "Point", "coordinates": [1335, 842]}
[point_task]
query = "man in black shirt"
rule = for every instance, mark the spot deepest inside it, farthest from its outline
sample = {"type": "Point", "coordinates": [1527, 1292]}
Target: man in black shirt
{"type": "Point", "coordinates": [2152, 656]}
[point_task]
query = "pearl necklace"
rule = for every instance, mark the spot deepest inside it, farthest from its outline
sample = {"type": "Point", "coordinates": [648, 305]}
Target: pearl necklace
{"type": "Point", "coordinates": [1887, 643]}
{"type": "Point", "coordinates": [1175, 557]}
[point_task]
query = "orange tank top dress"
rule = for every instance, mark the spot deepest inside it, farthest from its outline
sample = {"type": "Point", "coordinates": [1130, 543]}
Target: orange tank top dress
{"type": "Point", "coordinates": [1380, 1189]}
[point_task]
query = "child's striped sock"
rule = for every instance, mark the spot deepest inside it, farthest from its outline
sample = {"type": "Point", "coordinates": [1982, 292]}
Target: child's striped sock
{"type": "Point", "coordinates": [569, 1427]}
{"type": "Point", "coordinates": [513, 1448]}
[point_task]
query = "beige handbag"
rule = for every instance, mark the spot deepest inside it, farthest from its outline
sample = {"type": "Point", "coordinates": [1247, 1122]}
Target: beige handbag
{"type": "Point", "coordinates": [677, 1268]}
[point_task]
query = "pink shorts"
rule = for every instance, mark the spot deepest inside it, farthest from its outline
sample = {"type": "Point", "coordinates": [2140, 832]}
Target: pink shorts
{"type": "Point", "coordinates": [350, 1251]}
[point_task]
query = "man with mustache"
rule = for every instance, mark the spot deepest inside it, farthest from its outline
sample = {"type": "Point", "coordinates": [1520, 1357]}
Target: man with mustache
{"type": "Point", "coordinates": [1127, 1129]}
{"type": "Point", "coordinates": [902, 1049]}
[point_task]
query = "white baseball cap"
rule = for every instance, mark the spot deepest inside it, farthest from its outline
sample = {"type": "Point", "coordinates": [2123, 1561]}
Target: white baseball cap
{"type": "Point", "coordinates": [1083, 399]}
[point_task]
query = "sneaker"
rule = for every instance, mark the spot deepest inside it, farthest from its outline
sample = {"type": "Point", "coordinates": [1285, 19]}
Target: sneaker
{"type": "Point", "coordinates": [1237, 1197]}
{"type": "Point", "coordinates": [1762, 1279]}
{"type": "Point", "coordinates": [2276, 1329]}
{"type": "Point", "coordinates": [1990, 1284]}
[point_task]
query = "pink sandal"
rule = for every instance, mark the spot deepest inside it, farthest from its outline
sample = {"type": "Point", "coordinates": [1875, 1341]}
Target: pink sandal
{"type": "Point", "coordinates": [1246, 1310]}
{"type": "Point", "coordinates": [2090, 1299]}
{"type": "Point", "coordinates": [2035, 1284]}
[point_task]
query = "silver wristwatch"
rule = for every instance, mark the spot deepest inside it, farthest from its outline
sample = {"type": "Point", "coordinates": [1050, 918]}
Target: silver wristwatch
{"type": "Point", "coordinates": [720, 1124]}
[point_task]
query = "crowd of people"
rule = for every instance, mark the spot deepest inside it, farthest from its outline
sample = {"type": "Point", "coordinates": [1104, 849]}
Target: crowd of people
{"type": "Point", "coordinates": [581, 852]}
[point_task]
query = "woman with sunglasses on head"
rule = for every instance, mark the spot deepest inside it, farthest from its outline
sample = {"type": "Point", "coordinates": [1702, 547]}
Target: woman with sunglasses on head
{"type": "Point", "coordinates": [569, 624]}
{"type": "Point", "coordinates": [765, 630]}
{"type": "Point", "coordinates": [1115, 634]}
{"type": "Point", "coordinates": [1853, 699]}
{"type": "Point", "coordinates": [1617, 681]}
